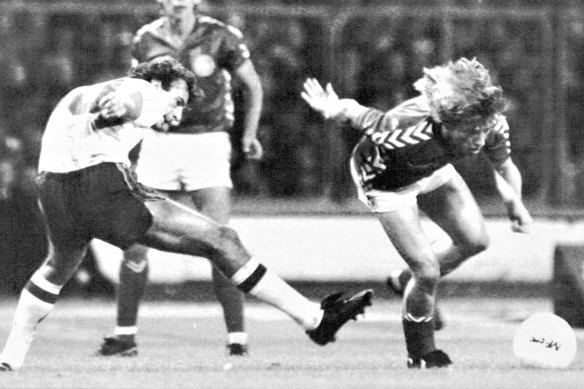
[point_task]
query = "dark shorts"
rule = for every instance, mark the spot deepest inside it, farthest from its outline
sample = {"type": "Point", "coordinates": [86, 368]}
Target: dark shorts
{"type": "Point", "coordinates": [102, 201]}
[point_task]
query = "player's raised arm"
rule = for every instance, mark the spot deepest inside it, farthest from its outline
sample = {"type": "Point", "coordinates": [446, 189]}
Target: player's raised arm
{"type": "Point", "coordinates": [327, 103]}
{"type": "Point", "coordinates": [122, 104]}
{"type": "Point", "coordinates": [114, 105]}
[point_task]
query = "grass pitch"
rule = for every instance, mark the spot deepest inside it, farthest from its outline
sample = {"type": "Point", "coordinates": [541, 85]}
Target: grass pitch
{"type": "Point", "coordinates": [181, 345]}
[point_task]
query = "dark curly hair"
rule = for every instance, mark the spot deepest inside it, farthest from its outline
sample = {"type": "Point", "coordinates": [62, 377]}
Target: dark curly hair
{"type": "Point", "coordinates": [166, 69]}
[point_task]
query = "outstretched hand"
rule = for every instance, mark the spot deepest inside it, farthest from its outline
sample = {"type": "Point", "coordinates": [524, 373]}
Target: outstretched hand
{"type": "Point", "coordinates": [326, 102]}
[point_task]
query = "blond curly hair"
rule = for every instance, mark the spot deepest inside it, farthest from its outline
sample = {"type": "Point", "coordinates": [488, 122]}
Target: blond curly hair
{"type": "Point", "coordinates": [461, 92]}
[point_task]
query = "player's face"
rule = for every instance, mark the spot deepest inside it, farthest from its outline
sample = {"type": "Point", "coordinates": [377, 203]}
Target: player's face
{"type": "Point", "coordinates": [469, 138]}
{"type": "Point", "coordinates": [178, 8]}
{"type": "Point", "coordinates": [179, 95]}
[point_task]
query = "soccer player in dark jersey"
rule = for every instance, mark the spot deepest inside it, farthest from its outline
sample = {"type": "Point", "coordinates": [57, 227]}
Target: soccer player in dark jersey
{"type": "Point", "coordinates": [87, 191]}
{"type": "Point", "coordinates": [402, 165]}
{"type": "Point", "coordinates": [191, 162]}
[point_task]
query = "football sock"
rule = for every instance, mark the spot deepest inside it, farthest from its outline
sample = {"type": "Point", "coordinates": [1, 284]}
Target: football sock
{"type": "Point", "coordinates": [419, 334]}
{"type": "Point", "coordinates": [231, 300]}
{"type": "Point", "coordinates": [255, 279]}
{"type": "Point", "coordinates": [37, 299]}
{"type": "Point", "coordinates": [133, 279]}
{"type": "Point", "coordinates": [126, 334]}
{"type": "Point", "coordinates": [237, 337]}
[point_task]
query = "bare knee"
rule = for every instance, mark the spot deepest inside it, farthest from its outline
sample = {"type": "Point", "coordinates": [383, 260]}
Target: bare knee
{"type": "Point", "coordinates": [58, 268]}
{"type": "Point", "coordinates": [226, 242]}
{"type": "Point", "coordinates": [136, 254]}
{"type": "Point", "coordinates": [427, 275]}
{"type": "Point", "coordinates": [228, 236]}
{"type": "Point", "coordinates": [226, 251]}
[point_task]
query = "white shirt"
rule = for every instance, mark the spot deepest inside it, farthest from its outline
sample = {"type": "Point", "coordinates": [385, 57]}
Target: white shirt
{"type": "Point", "coordinates": [71, 142]}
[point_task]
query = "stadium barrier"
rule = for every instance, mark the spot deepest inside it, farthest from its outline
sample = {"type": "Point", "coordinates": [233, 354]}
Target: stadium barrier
{"type": "Point", "coordinates": [354, 248]}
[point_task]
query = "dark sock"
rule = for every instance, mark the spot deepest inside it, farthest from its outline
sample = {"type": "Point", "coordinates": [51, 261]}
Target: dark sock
{"type": "Point", "coordinates": [231, 300]}
{"type": "Point", "coordinates": [130, 292]}
{"type": "Point", "coordinates": [419, 337]}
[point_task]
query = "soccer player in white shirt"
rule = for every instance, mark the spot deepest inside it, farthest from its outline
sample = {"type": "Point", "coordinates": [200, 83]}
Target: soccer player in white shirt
{"type": "Point", "coordinates": [87, 191]}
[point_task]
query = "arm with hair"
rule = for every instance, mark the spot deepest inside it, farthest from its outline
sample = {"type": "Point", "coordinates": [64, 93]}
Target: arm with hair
{"type": "Point", "coordinates": [325, 101]}
{"type": "Point", "coordinates": [253, 99]}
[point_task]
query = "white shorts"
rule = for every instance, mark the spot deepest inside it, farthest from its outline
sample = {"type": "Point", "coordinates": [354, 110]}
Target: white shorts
{"type": "Point", "coordinates": [185, 162]}
{"type": "Point", "coordinates": [388, 201]}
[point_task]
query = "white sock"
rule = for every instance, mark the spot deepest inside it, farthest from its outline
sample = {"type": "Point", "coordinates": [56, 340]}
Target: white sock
{"type": "Point", "coordinates": [29, 312]}
{"type": "Point", "coordinates": [132, 330]}
{"type": "Point", "coordinates": [237, 337]}
{"type": "Point", "coordinates": [255, 279]}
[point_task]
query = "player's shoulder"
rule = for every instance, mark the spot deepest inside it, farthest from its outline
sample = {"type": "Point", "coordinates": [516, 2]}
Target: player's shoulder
{"type": "Point", "coordinates": [216, 24]}
{"type": "Point", "coordinates": [152, 28]}
{"type": "Point", "coordinates": [411, 112]}
{"type": "Point", "coordinates": [133, 83]}
{"type": "Point", "coordinates": [125, 85]}
{"type": "Point", "coordinates": [91, 91]}
{"type": "Point", "coordinates": [83, 98]}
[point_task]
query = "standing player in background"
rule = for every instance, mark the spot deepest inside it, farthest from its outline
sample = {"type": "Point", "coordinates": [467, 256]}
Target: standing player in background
{"type": "Point", "coordinates": [402, 165]}
{"type": "Point", "coordinates": [191, 162]}
{"type": "Point", "coordinates": [86, 191]}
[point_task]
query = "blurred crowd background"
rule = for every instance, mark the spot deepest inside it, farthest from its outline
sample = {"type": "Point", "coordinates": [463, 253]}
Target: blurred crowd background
{"type": "Point", "coordinates": [371, 50]}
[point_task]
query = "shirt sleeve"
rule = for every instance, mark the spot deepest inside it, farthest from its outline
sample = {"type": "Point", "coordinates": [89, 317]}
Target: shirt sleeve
{"type": "Point", "coordinates": [138, 51]}
{"type": "Point", "coordinates": [234, 51]}
{"type": "Point", "coordinates": [375, 123]}
{"type": "Point", "coordinates": [146, 45]}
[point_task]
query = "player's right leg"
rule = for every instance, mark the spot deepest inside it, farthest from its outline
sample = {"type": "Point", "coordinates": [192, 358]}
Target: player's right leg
{"type": "Point", "coordinates": [179, 229]}
{"type": "Point", "coordinates": [37, 300]}
{"type": "Point", "coordinates": [405, 232]}
{"type": "Point", "coordinates": [68, 242]}
{"type": "Point", "coordinates": [133, 276]}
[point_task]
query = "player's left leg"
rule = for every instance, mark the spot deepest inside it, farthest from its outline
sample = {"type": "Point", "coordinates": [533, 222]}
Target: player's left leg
{"type": "Point", "coordinates": [37, 300]}
{"type": "Point", "coordinates": [215, 203]}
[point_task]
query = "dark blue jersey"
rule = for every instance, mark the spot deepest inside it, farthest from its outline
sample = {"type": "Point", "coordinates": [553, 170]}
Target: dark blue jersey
{"type": "Point", "coordinates": [211, 51]}
{"type": "Point", "coordinates": [405, 144]}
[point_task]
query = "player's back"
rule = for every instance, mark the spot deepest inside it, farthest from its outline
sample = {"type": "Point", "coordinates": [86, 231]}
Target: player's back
{"type": "Point", "coordinates": [406, 144]}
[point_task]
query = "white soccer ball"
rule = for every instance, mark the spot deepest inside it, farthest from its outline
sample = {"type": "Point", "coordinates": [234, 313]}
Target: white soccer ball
{"type": "Point", "coordinates": [545, 340]}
